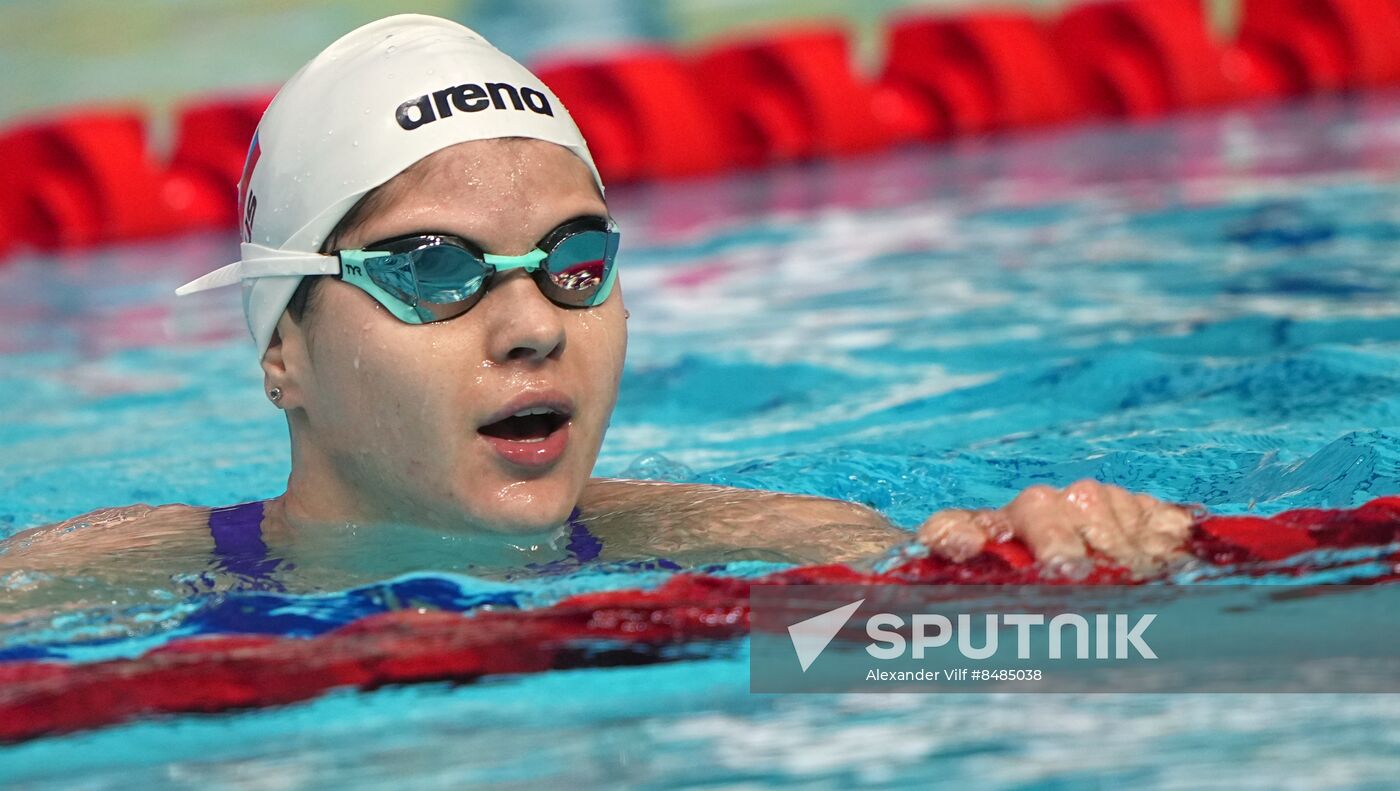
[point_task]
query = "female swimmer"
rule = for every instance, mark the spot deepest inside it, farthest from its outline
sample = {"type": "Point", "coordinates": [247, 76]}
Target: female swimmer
{"type": "Point", "coordinates": [429, 273]}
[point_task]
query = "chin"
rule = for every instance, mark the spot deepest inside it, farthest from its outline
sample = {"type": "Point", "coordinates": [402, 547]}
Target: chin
{"type": "Point", "coordinates": [532, 508]}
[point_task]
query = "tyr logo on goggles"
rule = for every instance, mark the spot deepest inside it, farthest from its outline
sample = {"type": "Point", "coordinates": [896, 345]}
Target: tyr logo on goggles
{"type": "Point", "coordinates": [435, 277]}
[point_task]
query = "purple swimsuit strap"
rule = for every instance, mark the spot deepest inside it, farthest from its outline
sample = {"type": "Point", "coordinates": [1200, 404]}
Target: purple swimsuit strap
{"type": "Point", "coordinates": [238, 541]}
{"type": "Point", "coordinates": [239, 547]}
{"type": "Point", "coordinates": [583, 545]}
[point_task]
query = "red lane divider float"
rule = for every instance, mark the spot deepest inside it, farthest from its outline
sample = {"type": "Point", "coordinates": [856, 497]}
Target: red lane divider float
{"type": "Point", "coordinates": [86, 177]}
{"type": "Point", "coordinates": [1142, 58]}
{"type": "Point", "coordinates": [790, 96]}
{"type": "Point", "coordinates": [967, 75]}
{"type": "Point", "coordinates": [213, 674]}
{"type": "Point", "coordinates": [82, 179]}
{"type": "Point", "coordinates": [7, 239]}
{"type": "Point", "coordinates": [1289, 47]}
{"type": "Point", "coordinates": [213, 139]}
{"type": "Point", "coordinates": [643, 114]}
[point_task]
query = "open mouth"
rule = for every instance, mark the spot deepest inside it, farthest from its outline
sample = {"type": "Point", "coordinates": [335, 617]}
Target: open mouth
{"type": "Point", "coordinates": [527, 425]}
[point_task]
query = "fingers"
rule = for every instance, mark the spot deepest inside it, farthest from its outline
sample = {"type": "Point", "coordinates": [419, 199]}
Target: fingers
{"type": "Point", "coordinates": [1040, 519]}
{"type": "Point", "coordinates": [1167, 527]}
{"type": "Point", "coordinates": [1136, 531]}
{"type": "Point", "coordinates": [1126, 507]}
{"type": "Point", "coordinates": [954, 534]}
{"type": "Point", "coordinates": [1104, 519]}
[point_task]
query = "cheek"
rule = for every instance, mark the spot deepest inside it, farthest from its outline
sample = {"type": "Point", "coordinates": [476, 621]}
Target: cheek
{"type": "Point", "coordinates": [602, 342]}
{"type": "Point", "coordinates": [389, 386]}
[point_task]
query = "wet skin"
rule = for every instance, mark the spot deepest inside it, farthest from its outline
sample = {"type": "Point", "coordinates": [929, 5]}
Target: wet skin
{"type": "Point", "coordinates": [384, 415]}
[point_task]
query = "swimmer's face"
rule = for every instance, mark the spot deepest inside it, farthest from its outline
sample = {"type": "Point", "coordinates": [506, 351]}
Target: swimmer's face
{"type": "Point", "coordinates": [391, 413]}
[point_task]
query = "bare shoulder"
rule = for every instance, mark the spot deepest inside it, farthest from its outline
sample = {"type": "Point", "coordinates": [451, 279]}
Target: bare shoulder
{"type": "Point", "coordinates": [605, 496]}
{"type": "Point", "coordinates": [652, 517]}
{"type": "Point", "coordinates": [104, 530]}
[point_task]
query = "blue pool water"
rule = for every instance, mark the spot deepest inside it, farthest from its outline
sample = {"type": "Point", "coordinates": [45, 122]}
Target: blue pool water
{"type": "Point", "coordinates": [1204, 309]}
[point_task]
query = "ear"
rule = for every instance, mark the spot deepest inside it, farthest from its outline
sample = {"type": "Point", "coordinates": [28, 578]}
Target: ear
{"type": "Point", "coordinates": [286, 363]}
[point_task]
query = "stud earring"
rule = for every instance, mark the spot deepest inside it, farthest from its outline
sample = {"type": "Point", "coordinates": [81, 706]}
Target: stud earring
{"type": "Point", "coordinates": [626, 314]}
{"type": "Point", "coordinates": [275, 394]}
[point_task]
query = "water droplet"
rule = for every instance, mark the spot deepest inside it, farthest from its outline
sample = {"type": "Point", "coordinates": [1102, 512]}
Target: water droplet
{"type": "Point", "coordinates": [355, 143]}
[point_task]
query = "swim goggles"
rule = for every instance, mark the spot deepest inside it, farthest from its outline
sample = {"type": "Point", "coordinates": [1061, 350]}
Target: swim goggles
{"type": "Point", "coordinates": [435, 277]}
{"type": "Point", "coordinates": [424, 278]}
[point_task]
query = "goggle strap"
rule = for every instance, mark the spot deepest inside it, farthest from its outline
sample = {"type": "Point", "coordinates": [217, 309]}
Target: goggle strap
{"type": "Point", "coordinates": [223, 276]}
{"type": "Point", "coordinates": [259, 261]}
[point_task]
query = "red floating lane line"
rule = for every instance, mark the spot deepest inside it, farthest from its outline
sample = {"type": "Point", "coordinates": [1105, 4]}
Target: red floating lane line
{"type": "Point", "coordinates": [1140, 58]}
{"type": "Point", "coordinates": [1240, 539]}
{"type": "Point", "coordinates": [85, 177]}
{"type": "Point", "coordinates": [971, 74]}
{"type": "Point", "coordinates": [38, 215]}
{"type": "Point", "coordinates": [213, 674]}
{"type": "Point", "coordinates": [1294, 46]}
{"type": "Point", "coordinates": [79, 179]}
{"type": "Point", "coordinates": [212, 137]}
{"type": "Point", "coordinates": [644, 113]}
{"type": "Point", "coordinates": [791, 95]}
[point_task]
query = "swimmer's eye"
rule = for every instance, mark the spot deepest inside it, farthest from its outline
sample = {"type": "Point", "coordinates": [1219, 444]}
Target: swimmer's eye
{"type": "Point", "coordinates": [442, 278]}
{"type": "Point", "coordinates": [579, 263]}
{"type": "Point", "coordinates": [428, 278]}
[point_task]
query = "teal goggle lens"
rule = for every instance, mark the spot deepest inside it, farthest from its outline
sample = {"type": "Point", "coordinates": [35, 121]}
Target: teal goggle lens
{"type": "Point", "coordinates": [421, 279]}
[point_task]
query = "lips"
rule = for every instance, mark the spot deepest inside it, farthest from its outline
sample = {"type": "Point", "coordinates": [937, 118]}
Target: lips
{"type": "Point", "coordinates": [528, 424]}
{"type": "Point", "coordinates": [532, 430]}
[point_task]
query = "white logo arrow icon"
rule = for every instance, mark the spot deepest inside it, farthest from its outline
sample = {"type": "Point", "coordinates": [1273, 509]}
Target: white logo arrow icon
{"type": "Point", "coordinates": [812, 636]}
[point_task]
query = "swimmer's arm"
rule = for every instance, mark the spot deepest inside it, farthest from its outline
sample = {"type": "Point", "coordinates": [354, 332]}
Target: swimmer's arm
{"type": "Point", "coordinates": [1079, 525]}
{"type": "Point", "coordinates": [651, 518]}
{"type": "Point", "coordinates": [95, 539]}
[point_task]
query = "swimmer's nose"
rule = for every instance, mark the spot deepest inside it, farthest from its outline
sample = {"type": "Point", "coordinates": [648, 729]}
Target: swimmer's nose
{"type": "Point", "coordinates": [525, 324]}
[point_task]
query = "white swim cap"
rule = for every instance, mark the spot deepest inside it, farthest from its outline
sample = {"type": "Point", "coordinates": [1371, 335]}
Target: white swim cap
{"type": "Point", "coordinates": [370, 105]}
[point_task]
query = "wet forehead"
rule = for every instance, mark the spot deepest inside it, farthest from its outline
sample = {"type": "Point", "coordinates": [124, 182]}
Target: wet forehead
{"type": "Point", "coordinates": [503, 194]}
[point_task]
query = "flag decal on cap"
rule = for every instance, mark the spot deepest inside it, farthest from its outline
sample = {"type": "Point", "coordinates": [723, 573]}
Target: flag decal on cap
{"type": "Point", "coordinates": [248, 204]}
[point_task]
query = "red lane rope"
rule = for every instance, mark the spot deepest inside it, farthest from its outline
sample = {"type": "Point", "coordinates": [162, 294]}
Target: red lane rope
{"type": "Point", "coordinates": [82, 176]}
{"type": "Point", "coordinates": [215, 674]}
